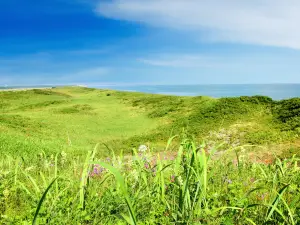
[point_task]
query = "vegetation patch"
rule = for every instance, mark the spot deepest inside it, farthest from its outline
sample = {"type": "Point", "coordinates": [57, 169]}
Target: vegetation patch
{"type": "Point", "coordinates": [288, 113]}
{"type": "Point", "coordinates": [18, 122]}
{"type": "Point", "coordinates": [42, 104]}
{"type": "Point", "coordinates": [49, 92]}
{"type": "Point", "coordinates": [84, 108]}
{"type": "Point", "coordinates": [187, 187]}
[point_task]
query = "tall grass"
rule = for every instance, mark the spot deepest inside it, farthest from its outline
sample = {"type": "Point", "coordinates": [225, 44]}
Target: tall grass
{"type": "Point", "coordinates": [191, 187]}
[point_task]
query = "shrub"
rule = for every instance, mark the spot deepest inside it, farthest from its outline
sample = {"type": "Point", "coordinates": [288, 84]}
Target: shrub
{"type": "Point", "coordinates": [257, 99]}
{"type": "Point", "coordinates": [288, 113]}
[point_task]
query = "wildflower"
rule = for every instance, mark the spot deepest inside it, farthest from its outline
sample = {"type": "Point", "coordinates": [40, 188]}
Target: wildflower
{"type": "Point", "coordinates": [229, 181]}
{"type": "Point", "coordinates": [180, 181]}
{"type": "Point", "coordinates": [252, 179]}
{"type": "Point", "coordinates": [96, 170]}
{"type": "Point", "coordinates": [172, 178]}
{"type": "Point", "coordinates": [262, 196]}
{"type": "Point", "coordinates": [153, 170]}
{"type": "Point", "coordinates": [6, 193]}
{"type": "Point", "coordinates": [143, 148]}
{"type": "Point", "coordinates": [147, 166]}
{"type": "Point", "coordinates": [63, 157]}
{"type": "Point", "coordinates": [91, 174]}
{"type": "Point", "coordinates": [101, 170]}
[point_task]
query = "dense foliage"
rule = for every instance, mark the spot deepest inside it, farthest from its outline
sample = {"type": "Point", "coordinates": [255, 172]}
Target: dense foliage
{"type": "Point", "coordinates": [288, 112]}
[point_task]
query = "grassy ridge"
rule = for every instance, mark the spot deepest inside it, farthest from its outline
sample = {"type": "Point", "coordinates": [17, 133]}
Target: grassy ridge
{"type": "Point", "coordinates": [75, 119]}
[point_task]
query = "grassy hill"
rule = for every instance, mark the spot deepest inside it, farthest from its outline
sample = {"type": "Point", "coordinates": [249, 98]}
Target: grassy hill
{"type": "Point", "coordinates": [50, 172]}
{"type": "Point", "coordinates": [75, 119]}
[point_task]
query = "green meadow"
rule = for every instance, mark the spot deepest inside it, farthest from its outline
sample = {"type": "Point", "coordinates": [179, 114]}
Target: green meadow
{"type": "Point", "coordinates": [74, 155]}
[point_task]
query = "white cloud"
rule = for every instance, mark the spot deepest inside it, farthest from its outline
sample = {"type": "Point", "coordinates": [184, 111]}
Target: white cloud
{"type": "Point", "coordinates": [180, 60]}
{"type": "Point", "coordinates": [264, 22]}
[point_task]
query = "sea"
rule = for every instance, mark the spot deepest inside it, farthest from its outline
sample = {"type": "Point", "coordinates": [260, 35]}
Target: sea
{"type": "Point", "coordinates": [275, 91]}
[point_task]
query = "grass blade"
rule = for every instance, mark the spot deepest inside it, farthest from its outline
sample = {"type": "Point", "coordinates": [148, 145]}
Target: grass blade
{"type": "Point", "coordinates": [41, 202]}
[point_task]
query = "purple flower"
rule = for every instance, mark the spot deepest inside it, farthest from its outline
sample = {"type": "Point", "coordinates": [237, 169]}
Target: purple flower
{"type": "Point", "coordinates": [263, 196]}
{"type": "Point", "coordinates": [147, 166]}
{"type": "Point", "coordinates": [172, 178]}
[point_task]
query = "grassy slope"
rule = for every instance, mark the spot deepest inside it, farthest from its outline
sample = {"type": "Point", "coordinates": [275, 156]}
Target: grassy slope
{"type": "Point", "coordinates": [75, 119]}
{"type": "Point", "coordinates": [69, 118]}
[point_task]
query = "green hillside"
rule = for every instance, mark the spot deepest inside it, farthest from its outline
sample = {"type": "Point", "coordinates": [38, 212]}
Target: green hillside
{"type": "Point", "coordinates": [85, 156]}
{"type": "Point", "coordinates": [75, 119]}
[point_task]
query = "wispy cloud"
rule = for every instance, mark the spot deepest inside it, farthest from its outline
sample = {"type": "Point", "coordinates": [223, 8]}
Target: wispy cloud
{"type": "Point", "coordinates": [179, 60]}
{"type": "Point", "coordinates": [81, 76]}
{"type": "Point", "coordinates": [267, 22]}
{"type": "Point", "coordinates": [51, 68]}
{"type": "Point", "coordinates": [85, 75]}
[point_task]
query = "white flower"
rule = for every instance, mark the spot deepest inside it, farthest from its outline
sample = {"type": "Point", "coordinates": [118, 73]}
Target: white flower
{"type": "Point", "coordinates": [143, 148]}
{"type": "Point", "coordinates": [180, 181]}
{"type": "Point", "coordinates": [63, 157]}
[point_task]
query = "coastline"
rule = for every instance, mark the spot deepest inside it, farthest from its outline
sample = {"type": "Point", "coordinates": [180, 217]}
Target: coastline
{"type": "Point", "coordinates": [25, 89]}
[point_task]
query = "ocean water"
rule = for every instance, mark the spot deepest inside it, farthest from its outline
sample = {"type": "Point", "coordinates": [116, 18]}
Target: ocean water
{"type": "Point", "coordinates": [275, 91]}
{"type": "Point", "coordinates": [21, 87]}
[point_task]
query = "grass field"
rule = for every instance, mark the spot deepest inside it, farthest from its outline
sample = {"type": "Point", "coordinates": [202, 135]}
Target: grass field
{"type": "Point", "coordinates": [70, 119]}
{"type": "Point", "coordinates": [226, 165]}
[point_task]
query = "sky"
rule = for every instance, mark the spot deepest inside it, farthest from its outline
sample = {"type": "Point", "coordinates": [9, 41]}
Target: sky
{"type": "Point", "coordinates": [113, 42]}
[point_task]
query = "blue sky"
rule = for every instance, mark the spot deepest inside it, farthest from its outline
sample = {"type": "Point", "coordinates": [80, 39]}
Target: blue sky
{"type": "Point", "coordinates": [149, 42]}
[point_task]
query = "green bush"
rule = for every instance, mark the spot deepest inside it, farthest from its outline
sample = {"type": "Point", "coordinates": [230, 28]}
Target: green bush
{"type": "Point", "coordinates": [257, 99]}
{"type": "Point", "coordinates": [288, 113]}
